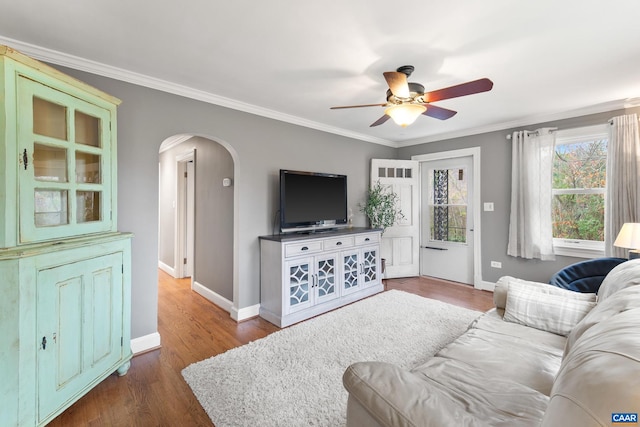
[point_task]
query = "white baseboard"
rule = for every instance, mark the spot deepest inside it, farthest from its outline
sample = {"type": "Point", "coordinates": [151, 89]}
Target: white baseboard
{"type": "Point", "coordinates": [486, 286]}
{"type": "Point", "coordinates": [145, 343]}
{"type": "Point", "coordinates": [214, 297]}
{"type": "Point", "coordinates": [166, 268]}
{"type": "Point", "coordinates": [240, 314]}
{"type": "Point", "coordinates": [236, 314]}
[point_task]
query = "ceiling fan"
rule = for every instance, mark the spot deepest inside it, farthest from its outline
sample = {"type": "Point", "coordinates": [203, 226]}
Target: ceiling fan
{"type": "Point", "coordinates": [406, 101]}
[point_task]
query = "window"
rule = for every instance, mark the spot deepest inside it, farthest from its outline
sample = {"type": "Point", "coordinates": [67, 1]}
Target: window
{"type": "Point", "coordinates": [579, 185]}
{"type": "Point", "coordinates": [448, 205]}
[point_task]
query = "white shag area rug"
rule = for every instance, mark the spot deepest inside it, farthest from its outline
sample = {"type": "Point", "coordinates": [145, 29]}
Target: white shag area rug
{"type": "Point", "coordinates": [293, 377]}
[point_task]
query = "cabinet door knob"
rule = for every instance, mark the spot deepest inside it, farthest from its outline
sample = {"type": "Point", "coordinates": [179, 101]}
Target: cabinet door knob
{"type": "Point", "coordinates": [44, 343]}
{"type": "Point", "coordinates": [25, 159]}
{"type": "Point", "coordinates": [366, 239]}
{"type": "Point", "coordinates": [338, 243]}
{"type": "Point", "coordinates": [304, 248]}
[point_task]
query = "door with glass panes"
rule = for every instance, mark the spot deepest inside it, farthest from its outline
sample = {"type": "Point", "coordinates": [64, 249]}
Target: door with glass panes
{"type": "Point", "coordinates": [64, 153]}
{"type": "Point", "coordinates": [447, 219]}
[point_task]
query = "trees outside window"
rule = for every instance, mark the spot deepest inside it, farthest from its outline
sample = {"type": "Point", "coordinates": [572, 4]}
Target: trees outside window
{"type": "Point", "coordinates": [579, 185]}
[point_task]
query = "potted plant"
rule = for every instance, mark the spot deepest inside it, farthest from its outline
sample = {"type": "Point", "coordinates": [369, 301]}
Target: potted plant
{"type": "Point", "coordinates": [381, 208]}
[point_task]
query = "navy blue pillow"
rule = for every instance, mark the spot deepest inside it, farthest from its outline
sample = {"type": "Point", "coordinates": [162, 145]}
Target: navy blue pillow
{"type": "Point", "coordinates": [585, 276]}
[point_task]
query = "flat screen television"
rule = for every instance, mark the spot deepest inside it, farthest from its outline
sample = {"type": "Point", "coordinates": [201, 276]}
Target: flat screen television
{"type": "Point", "coordinates": [312, 201]}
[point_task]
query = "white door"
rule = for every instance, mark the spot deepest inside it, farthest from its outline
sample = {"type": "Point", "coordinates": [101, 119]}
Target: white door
{"type": "Point", "coordinates": [190, 228]}
{"type": "Point", "coordinates": [185, 215]}
{"type": "Point", "coordinates": [447, 247]}
{"type": "Point", "coordinates": [400, 243]}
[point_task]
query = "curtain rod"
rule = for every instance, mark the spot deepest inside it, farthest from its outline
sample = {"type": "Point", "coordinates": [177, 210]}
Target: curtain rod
{"type": "Point", "coordinates": [535, 132]}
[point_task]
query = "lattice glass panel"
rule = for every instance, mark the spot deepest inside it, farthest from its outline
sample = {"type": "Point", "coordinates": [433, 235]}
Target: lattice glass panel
{"type": "Point", "coordinates": [326, 277]}
{"type": "Point", "coordinates": [370, 266]}
{"type": "Point", "coordinates": [448, 205]}
{"type": "Point", "coordinates": [298, 284]}
{"type": "Point", "coordinates": [350, 267]}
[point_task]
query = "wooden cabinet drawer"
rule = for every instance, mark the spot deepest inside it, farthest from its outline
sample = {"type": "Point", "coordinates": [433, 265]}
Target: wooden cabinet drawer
{"type": "Point", "coordinates": [295, 249]}
{"type": "Point", "coordinates": [339, 243]}
{"type": "Point", "coordinates": [367, 238]}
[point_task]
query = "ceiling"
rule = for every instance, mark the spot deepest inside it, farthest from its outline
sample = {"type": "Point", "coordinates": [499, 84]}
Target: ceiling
{"type": "Point", "coordinates": [292, 60]}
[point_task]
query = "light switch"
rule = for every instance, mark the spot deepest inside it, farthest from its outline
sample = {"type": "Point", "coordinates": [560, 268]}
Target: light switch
{"type": "Point", "coordinates": [488, 206]}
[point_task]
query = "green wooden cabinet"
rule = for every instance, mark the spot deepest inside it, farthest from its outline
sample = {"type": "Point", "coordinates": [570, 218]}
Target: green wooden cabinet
{"type": "Point", "coordinates": [65, 288]}
{"type": "Point", "coordinates": [59, 154]}
{"type": "Point", "coordinates": [65, 323]}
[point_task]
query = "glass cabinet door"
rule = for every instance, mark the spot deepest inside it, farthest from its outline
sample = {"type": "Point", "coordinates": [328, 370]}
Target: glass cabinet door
{"type": "Point", "coordinates": [64, 173]}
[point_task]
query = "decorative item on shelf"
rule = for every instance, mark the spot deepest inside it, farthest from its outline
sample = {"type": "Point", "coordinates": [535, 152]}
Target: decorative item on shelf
{"type": "Point", "coordinates": [629, 237]}
{"type": "Point", "coordinates": [350, 218]}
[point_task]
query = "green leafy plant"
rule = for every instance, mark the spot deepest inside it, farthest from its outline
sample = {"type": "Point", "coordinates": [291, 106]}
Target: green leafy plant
{"type": "Point", "coordinates": [381, 206]}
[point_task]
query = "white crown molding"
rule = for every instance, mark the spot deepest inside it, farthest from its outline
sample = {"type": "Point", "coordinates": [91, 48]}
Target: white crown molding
{"type": "Point", "coordinates": [527, 121]}
{"type": "Point", "coordinates": [98, 68]}
{"type": "Point", "coordinates": [86, 65]}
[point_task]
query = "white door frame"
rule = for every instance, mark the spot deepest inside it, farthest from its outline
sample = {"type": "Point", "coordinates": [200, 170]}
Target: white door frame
{"type": "Point", "coordinates": [181, 216]}
{"type": "Point", "coordinates": [474, 152]}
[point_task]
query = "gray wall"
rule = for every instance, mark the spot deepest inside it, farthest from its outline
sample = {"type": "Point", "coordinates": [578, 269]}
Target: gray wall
{"type": "Point", "coordinates": [213, 263]}
{"type": "Point", "coordinates": [262, 146]}
{"type": "Point", "coordinates": [496, 187]}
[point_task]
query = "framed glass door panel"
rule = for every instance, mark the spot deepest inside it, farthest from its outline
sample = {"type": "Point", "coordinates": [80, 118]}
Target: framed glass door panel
{"type": "Point", "coordinates": [87, 129]}
{"type": "Point", "coordinates": [49, 163]}
{"type": "Point", "coordinates": [65, 170]}
{"type": "Point", "coordinates": [49, 119]}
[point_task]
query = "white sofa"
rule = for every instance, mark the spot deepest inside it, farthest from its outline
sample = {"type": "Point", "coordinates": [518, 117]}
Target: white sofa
{"type": "Point", "coordinates": [508, 369]}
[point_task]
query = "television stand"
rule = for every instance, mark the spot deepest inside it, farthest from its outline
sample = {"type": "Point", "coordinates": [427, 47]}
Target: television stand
{"type": "Point", "coordinates": [302, 276]}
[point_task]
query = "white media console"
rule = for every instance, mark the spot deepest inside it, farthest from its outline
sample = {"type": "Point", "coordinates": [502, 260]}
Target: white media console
{"type": "Point", "coordinates": [303, 275]}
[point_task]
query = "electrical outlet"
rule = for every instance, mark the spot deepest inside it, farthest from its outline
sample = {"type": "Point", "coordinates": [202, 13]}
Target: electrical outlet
{"type": "Point", "coordinates": [496, 264]}
{"type": "Point", "coordinates": [488, 206]}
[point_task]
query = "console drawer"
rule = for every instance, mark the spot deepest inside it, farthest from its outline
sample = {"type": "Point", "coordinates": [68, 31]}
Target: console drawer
{"type": "Point", "coordinates": [339, 243]}
{"type": "Point", "coordinates": [367, 238]}
{"type": "Point", "coordinates": [295, 249]}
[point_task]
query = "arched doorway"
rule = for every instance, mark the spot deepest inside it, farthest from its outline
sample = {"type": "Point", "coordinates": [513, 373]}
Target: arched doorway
{"type": "Point", "coordinates": [197, 195]}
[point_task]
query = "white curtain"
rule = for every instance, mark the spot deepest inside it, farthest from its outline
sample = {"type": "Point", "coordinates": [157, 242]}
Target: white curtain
{"type": "Point", "coordinates": [623, 172]}
{"type": "Point", "coordinates": [530, 227]}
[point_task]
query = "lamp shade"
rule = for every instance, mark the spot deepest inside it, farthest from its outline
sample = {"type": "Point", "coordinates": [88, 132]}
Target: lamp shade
{"type": "Point", "coordinates": [405, 114]}
{"type": "Point", "coordinates": [629, 237]}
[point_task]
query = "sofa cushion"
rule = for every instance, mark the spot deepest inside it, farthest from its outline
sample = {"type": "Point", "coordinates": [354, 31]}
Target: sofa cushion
{"type": "Point", "coordinates": [493, 353]}
{"type": "Point", "coordinates": [546, 310]}
{"type": "Point", "coordinates": [623, 300]}
{"type": "Point", "coordinates": [599, 375]}
{"type": "Point", "coordinates": [441, 392]}
{"type": "Point", "coordinates": [622, 276]}
{"type": "Point", "coordinates": [493, 321]}
{"type": "Point", "coordinates": [502, 289]}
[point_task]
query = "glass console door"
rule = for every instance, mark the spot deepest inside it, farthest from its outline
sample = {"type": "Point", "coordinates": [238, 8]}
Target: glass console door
{"type": "Point", "coordinates": [64, 172]}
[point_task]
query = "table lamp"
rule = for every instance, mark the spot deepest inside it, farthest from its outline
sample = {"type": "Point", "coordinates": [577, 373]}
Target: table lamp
{"type": "Point", "coordinates": [629, 237]}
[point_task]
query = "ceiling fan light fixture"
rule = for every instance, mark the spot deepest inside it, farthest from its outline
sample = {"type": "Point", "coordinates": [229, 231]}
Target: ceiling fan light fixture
{"type": "Point", "coordinates": [405, 114]}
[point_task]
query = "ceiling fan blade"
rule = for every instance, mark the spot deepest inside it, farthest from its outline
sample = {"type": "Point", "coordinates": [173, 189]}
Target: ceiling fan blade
{"type": "Point", "coordinates": [357, 106]}
{"type": "Point", "coordinates": [380, 121]}
{"type": "Point", "coordinates": [438, 112]}
{"type": "Point", "coordinates": [397, 83]}
{"type": "Point", "coordinates": [469, 88]}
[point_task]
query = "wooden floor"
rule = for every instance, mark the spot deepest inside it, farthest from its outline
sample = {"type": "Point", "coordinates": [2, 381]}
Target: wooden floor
{"type": "Point", "coordinates": [153, 392]}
